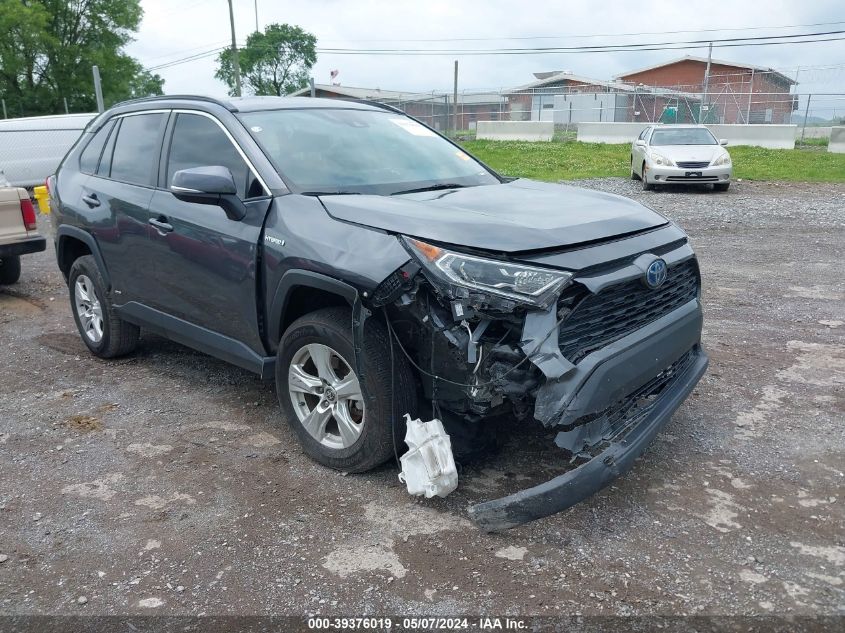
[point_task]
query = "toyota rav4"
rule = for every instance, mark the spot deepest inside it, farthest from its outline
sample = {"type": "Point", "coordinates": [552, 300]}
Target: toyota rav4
{"type": "Point", "coordinates": [373, 268]}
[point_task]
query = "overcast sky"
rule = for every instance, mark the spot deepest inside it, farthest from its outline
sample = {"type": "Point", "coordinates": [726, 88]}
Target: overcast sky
{"type": "Point", "coordinates": [173, 29]}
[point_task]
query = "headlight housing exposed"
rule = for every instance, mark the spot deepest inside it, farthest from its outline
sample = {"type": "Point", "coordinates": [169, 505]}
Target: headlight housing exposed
{"type": "Point", "coordinates": [459, 275]}
{"type": "Point", "coordinates": [660, 159]}
{"type": "Point", "coordinates": [724, 159]}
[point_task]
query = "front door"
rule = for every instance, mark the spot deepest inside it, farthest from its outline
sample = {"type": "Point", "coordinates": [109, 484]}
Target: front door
{"type": "Point", "coordinates": [205, 263]}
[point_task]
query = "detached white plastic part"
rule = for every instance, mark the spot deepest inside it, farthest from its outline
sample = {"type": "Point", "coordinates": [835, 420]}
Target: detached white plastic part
{"type": "Point", "coordinates": [428, 468]}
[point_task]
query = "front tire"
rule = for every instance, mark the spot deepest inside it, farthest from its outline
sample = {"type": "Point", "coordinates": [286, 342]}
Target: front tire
{"type": "Point", "coordinates": [10, 270]}
{"type": "Point", "coordinates": [721, 186]}
{"type": "Point", "coordinates": [634, 174]}
{"type": "Point", "coordinates": [647, 186]}
{"type": "Point", "coordinates": [102, 331]}
{"type": "Point", "coordinates": [341, 423]}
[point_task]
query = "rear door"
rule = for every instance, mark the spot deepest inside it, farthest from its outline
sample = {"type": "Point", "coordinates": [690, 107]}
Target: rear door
{"type": "Point", "coordinates": [116, 199]}
{"type": "Point", "coordinates": [205, 263]}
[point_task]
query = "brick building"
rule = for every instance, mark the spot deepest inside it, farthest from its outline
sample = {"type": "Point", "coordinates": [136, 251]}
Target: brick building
{"type": "Point", "coordinates": [736, 93]}
{"type": "Point", "coordinates": [566, 98]}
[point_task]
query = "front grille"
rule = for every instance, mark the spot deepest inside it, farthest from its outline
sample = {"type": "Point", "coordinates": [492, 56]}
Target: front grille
{"type": "Point", "coordinates": [599, 319]}
{"type": "Point", "coordinates": [695, 164]}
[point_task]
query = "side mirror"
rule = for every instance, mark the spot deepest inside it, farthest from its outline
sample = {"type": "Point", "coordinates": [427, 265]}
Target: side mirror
{"type": "Point", "coordinates": [209, 185]}
{"type": "Point", "coordinates": [723, 141]}
{"type": "Point", "coordinates": [640, 142]}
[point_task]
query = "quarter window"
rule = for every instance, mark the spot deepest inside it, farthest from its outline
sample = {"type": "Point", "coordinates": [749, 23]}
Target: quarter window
{"type": "Point", "coordinates": [136, 149]}
{"type": "Point", "coordinates": [198, 141]}
{"type": "Point", "coordinates": [91, 154]}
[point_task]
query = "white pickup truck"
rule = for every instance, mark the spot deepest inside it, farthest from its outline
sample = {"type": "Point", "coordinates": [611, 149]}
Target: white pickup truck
{"type": "Point", "coordinates": [18, 231]}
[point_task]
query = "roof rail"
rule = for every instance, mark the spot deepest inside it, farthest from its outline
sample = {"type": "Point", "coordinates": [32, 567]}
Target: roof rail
{"type": "Point", "coordinates": [226, 104]}
{"type": "Point", "coordinates": [377, 104]}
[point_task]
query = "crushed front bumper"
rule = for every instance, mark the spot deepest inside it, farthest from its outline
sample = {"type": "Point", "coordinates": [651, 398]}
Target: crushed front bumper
{"type": "Point", "coordinates": [669, 347]}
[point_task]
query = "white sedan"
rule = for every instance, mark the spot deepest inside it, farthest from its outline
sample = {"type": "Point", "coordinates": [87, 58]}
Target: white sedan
{"type": "Point", "coordinates": [680, 154]}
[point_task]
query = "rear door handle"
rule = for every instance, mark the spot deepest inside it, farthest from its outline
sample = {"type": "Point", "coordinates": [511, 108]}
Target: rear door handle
{"type": "Point", "coordinates": [162, 227]}
{"type": "Point", "coordinates": [91, 200]}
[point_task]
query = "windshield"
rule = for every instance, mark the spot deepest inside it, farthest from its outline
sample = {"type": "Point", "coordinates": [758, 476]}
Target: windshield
{"type": "Point", "coordinates": [360, 151]}
{"type": "Point", "coordinates": [683, 136]}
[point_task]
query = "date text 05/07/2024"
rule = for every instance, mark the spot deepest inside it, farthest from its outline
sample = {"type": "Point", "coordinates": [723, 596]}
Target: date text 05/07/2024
{"type": "Point", "coordinates": [418, 623]}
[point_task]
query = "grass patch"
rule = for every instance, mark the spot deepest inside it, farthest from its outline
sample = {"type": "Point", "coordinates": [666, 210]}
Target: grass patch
{"type": "Point", "coordinates": [571, 160]}
{"type": "Point", "coordinates": [818, 142]}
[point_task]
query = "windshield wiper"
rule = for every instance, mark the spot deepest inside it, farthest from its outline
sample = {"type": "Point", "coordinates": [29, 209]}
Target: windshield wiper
{"type": "Point", "coordinates": [331, 193]}
{"type": "Point", "coordinates": [437, 187]}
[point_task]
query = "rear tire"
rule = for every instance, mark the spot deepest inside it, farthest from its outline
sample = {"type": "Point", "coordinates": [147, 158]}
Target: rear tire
{"type": "Point", "coordinates": [102, 331]}
{"type": "Point", "coordinates": [10, 270]}
{"type": "Point", "coordinates": [327, 333]}
{"type": "Point", "coordinates": [721, 186]}
{"type": "Point", "coordinates": [647, 186]}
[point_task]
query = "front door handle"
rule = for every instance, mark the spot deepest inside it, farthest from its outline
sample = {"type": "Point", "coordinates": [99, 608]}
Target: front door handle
{"type": "Point", "coordinates": [162, 227]}
{"type": "Point", "coordinates": [91, 200]}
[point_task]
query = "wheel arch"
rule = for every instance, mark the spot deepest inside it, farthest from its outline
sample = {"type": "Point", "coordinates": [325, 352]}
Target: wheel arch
{"type": "Point", "coordinates": [300, 292]}
{"type": "Point", "coordinates": [73, 243]}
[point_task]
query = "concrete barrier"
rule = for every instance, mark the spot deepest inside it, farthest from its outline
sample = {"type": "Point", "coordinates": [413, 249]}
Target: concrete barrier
{"type": "Point", "coordinates": [772, 136]}
{"type": "Point", "coordinates": [837, 140]}
{"type": "Point", "coordinates": [515, 130]}
{"type": "Point", "coordinates": [763, 135]}
{"type": "Point", "coordinates": [813, 132]}
{"type": "Point", "coordinates": [610, 132]}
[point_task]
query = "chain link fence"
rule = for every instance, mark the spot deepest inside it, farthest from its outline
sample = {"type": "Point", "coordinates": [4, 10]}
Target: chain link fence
{"type": "Point", "coordinates": [567, 107]}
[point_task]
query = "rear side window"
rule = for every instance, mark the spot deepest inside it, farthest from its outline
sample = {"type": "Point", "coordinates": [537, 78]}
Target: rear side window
{"type": "Point", "coordinates": [198, 141]}
{"type": "Point", "coordinates": [136, 149]}
{"type": "Point", "coordinates": [91, 154]}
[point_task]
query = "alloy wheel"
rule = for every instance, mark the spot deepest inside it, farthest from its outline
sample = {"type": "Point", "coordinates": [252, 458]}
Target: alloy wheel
{"type": "Point", "coordinates": [326, 396]}
{"type": "Point", "coordinates": [88, 309]}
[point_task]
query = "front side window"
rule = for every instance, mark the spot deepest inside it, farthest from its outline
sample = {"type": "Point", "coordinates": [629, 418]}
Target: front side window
{"type": "Point", "coordinates": [683, 136]}
{"type": "Point", "coordinates": [332, 150]}
{"type": "Point", "coordinates": [136, 149]}
{"type": "Point", "coordinates": [198, 142]}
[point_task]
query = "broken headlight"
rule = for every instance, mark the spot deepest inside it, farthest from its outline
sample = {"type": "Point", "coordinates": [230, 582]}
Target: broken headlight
{"type": "Point", "coordinates": [518, 282]}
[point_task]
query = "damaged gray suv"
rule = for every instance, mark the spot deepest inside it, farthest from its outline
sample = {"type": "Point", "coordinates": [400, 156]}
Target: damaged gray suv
{"type": "Point", "coordinates": [372, 268]}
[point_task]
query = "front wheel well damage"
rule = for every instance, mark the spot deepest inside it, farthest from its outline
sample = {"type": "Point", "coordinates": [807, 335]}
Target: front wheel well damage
{"type": "Point", "coordinates": [304, 300]}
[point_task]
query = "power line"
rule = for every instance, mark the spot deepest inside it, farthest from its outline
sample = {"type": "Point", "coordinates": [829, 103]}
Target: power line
{"type": "Point", "coordinates": [458, 53]}
{"type": "Point", "coordinates": [583, 36]}
{"type": "Point", "coordinates": [568, 49]}
{"type": "Point", "coordinates": [605, 48]}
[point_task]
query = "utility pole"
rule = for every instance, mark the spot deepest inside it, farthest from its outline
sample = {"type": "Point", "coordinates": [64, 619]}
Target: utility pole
{"type": "Point", "coordinates": [235, 63]}
{"type": "Point", "coordinates": [706, 81]}
{"type": "Point", "coordinates": [256, 16]}
{"type": "Point", "coordinates": [455, 100]}
{"type": "Point", "coordinates": [806, 113]}
{"type": "Point", "coordinates": [98, 89]}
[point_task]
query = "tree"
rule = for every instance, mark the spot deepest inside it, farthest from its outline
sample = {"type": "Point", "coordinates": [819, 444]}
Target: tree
{"type": "Point", "coordinates": [49, 46]}
{"type": "Point", "coordinates": [275, 62]}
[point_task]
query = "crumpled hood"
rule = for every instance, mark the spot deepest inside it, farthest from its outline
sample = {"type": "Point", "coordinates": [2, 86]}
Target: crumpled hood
{"type": "Point", "coordinates": [517, 216]}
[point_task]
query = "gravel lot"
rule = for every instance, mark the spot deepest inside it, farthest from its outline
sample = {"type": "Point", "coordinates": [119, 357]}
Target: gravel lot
{"type": "Point", "coordinates": [166, 482]}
